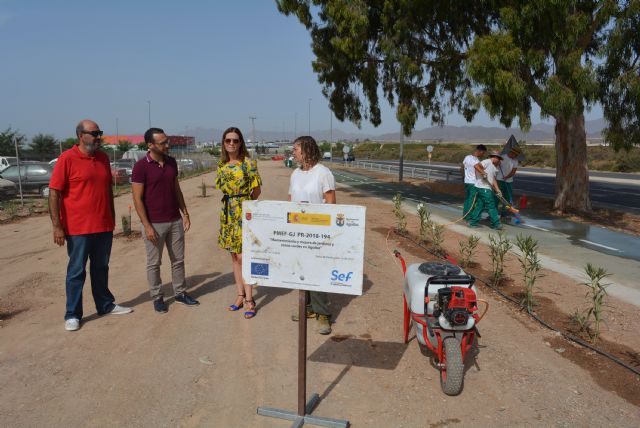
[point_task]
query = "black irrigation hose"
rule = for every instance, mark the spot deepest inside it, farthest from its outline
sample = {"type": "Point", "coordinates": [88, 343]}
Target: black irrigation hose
{"type": "Point", "coordinates": [564, 334]}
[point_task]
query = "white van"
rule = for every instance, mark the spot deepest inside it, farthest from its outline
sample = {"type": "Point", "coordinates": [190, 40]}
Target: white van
{"type": "Point", "coordinates": [7, 161]}
{"type": "Point", "coordinates": [326, 156]}
{"type": "Point", "coordinates": [136, 155]}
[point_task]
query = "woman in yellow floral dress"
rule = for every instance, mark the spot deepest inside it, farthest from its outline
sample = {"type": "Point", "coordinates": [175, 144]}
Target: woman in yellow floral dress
{"type": "Point", "coordinates": [238, 179]}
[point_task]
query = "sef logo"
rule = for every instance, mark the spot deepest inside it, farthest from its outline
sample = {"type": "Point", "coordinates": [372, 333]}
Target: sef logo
{"type": "Point", "coordinates": [342, 277]}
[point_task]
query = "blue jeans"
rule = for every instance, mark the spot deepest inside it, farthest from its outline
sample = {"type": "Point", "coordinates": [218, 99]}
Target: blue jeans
{"type": "Point", "coordinates": [97, 248]}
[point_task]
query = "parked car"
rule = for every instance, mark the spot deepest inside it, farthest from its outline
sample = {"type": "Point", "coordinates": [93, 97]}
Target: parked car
{"type": "Point", "coordinates": [6, 162]}
{"type": "Point", "coordinates": [186, 165]}
{"type": "Point", "coordinates": [350, 157]}
{"type": "Point", "coordinates": [35, 176]}
{"type": "Point", "coordinates": [126, 164]}
{"type": "Point", "coordinates": [326, 156]}
{"type": "Point", "coordinates": [119, 175]}
{"type": "Point", "coordinates": [7, 189]}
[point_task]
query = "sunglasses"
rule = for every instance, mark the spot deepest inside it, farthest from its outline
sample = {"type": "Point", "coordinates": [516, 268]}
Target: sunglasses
{"type": "Point", "coordinates": [232, 140]}
{"type": "Point", "coordinates": [94, 134]}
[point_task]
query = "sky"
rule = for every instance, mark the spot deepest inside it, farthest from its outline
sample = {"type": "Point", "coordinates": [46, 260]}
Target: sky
{"type": "Point", "coordinates": [207, 64]}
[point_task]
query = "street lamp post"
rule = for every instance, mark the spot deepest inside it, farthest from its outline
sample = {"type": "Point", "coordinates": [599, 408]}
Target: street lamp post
{"type": "Point", "coordinates": [253, 129]}
{"type": "Point", "coordinates": [309, 130]}
{"type": "Point", "coordinates": [401, 154]}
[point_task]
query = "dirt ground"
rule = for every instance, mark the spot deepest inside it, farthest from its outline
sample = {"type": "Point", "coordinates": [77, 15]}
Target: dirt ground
{"type": "Point", "coordinates": [206, 366]}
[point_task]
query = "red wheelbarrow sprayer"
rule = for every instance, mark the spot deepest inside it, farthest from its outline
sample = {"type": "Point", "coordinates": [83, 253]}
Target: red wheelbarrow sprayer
{"type": "Point", "coordinates": [440, 300]}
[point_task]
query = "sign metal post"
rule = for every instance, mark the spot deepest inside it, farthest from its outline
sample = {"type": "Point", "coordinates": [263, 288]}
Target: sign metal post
{"type": "Point", "coordinates": [302, 246]}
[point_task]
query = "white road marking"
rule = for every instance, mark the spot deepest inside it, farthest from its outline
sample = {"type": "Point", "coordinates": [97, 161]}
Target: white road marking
{"type": "Point", "coordinates": [536, 227]}
{"type": "Point", "coordinates": [599, 245]}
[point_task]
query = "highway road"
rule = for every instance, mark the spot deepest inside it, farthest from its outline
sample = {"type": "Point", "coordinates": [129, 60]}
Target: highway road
{"type": "Point", "coordinates": [565, 245]}
{"type": "Point", "coordinates": [608, 189]}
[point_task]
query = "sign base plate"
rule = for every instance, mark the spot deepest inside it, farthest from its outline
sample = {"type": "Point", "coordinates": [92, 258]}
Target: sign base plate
{"type": "Point", "coordinates": [299, 420]}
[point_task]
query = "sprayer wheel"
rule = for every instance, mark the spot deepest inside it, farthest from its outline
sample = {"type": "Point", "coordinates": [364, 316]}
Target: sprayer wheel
{"type": "Point", "coordinates": [452, 374]}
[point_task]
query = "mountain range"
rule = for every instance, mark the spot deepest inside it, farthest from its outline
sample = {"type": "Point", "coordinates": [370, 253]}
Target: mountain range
{"type": "Point", "coordinates": [538, 132]}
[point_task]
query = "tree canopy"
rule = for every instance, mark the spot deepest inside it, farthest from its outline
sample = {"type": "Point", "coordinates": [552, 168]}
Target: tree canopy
{"type": "Point", "coordinates": [44, 145]}
{"type": "Point", "coordinates": [430, 58]}
{"type": "Point", "coordinates": [7, 137]}
{"type": "Point", "coordinates": [124, 146]}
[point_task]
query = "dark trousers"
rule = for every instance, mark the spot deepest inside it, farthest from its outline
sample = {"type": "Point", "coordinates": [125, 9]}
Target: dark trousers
{"type": "Point", "coordinates": [319, 302]}
{"type": "Point", "coordinates": [507, 193]}
{"type": "Point", "coordinates": [469, 195]}
{"type": "Point", "coordinates": [97, 248]}
{"type": "Point", "coordinates": [485, 200]}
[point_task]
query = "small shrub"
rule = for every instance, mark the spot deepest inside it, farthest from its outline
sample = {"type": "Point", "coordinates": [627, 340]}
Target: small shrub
{"type": "Point", "coordinates": [582, 320]}
{"type": "Point", "coordinates": [203, 188]}
{"type": "Point", "coordinates": [597, 295]}
{"type": "Point", "coordinates": [11, 209]}
{"type": "Point", "coordinates": [426, 224]}
{"type": "Point", "coordinates": [531, 267]}
{"type": "Point", "coordinates": [126, 225]}
{"type": "Point", "coordinates": [401, 218]}
{"type": "Point", "coordinates": [498, 247]}
{"type": "Point", "coordinates": [468, 249]}
{"type": "Point", "coordinates": [437, 238]}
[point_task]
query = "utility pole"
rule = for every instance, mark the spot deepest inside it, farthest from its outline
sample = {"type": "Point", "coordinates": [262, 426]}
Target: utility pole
{"type": "Point", "coordinates": [149, 102]}
{"type": "Point", "coordinates": [309, 133]}
{"type": "Point", "coordinates": [15, 143]}
{"type": "Point", "coordinates": [401, 154]}
{"type": "Point", "coordinates": [330, 127]}
{"type": "Point", "coordinates": [253, 129]}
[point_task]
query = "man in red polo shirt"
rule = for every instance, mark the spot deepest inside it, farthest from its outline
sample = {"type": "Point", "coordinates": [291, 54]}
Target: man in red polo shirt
{"type": "Point", "coordinates": [159, 201]}
{"type": "Point", "coordinates": [82, 213]}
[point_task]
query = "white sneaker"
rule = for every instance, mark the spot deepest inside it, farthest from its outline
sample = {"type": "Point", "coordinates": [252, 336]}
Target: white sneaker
{"type": "Point", "coordinates": [119, 310]}
{"type": "Point", "coordinates": [72, 324]}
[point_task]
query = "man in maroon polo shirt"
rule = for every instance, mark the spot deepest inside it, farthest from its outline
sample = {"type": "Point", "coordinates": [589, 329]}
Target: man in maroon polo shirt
{"type": "Point", "coordinates": [82, 213]}
{"type": "Point", "coordinates": [158, 201]}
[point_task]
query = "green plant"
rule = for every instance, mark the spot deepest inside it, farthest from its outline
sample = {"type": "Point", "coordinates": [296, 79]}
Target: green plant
{"type": "Point", "coordinates": [437, 238]}
{"type": "Point", "coordinates": [426, 224]}
{"type": "Point", "coordinates": [498, 247]}
{"type": "Point", "coordinates": [203, 188]}
{"type": "Point", "coordinates": [531, 267]}
{"type": "Point", "coordinates": [11, 209]}
{"type": "Point", "coordinates": [597, 295]}
{"type": "Point", "coordinates": [126, 225]}
{"type": "Point", "coordinates": [401, 218]}
{"type": "Point", "coordinates": [582, 320]}
{"type": "Point", "coordinates": [468, 249]}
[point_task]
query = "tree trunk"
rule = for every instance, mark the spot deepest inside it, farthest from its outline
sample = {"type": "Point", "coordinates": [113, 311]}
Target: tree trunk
{"type": "Point", "coordinates": [572, 173]}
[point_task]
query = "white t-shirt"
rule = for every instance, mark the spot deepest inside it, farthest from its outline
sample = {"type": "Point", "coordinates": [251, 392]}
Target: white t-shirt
{"type": "Point", "coordinates": [469, 163]}
{"type": "Point", "coordinates": [310, 186]}
{"type": "Point", "coordinates": [505, 167]}
{"type": "Point", "coordinates": [491, 170]}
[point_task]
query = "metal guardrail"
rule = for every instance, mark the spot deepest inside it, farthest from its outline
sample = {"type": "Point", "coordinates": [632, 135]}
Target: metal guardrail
{"type": "Point", "coordinates": [429, 174]}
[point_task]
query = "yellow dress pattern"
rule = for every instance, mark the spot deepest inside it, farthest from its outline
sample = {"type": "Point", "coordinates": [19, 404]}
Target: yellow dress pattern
{"type": "Point", "coordinates": [236, 181]}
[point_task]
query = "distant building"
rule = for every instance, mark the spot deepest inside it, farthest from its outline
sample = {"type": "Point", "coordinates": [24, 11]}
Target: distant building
{"type": "Point", "coordinates": [178, 141]}
{"type": "Point", "coordinates": [113, 140]}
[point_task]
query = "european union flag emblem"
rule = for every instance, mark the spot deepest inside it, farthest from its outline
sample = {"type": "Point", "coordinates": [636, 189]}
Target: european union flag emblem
{"type": "Point", "coordinates": [261, 269]}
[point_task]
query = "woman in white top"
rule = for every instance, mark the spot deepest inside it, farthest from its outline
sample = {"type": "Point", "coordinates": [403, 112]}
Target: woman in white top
{"type": "Point", "coordinates": [313, 182]}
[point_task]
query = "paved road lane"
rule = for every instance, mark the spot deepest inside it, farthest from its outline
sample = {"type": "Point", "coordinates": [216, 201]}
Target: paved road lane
{"type": "Point", "coordinates": [608, 190]}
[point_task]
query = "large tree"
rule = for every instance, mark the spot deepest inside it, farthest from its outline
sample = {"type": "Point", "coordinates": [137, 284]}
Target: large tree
{"type": "Point", "coordinates": [124, 146]}
{"type": "Point", "coordinates": [44, 145]}
{"type": "Point", "coordinates": [432, 57]}
{"type": "Point", "coordinates": [7, 138]}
